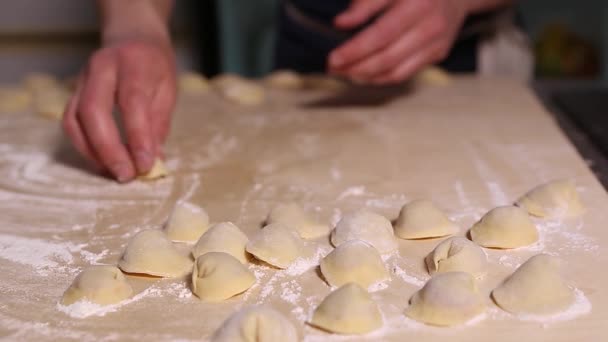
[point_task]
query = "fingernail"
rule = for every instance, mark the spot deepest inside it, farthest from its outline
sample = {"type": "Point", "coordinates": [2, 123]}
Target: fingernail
{"type": "Point", "coordinates": [122, 172]}
{"type": "Point", "coordinates": [143, 159]}
{"type": "Point", "coordinates": [335, 60]}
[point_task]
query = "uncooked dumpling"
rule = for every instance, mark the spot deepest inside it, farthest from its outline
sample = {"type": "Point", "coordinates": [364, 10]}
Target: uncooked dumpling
{"type": "Point", "coordinates": [354, 261]}
{"type": "Point", "coordinates": [457, 254]}
{"type": "Point", "coordinates": [284, 79]}
{"type": "Point", "coordinates": [223, 237]}
{"type": "Point", "coordinates": [150, 252]}
{"type": "Point", "coordinates": [348, 310]}
{"type": "Point", "coordinates": [293, 216]}
{"type": "Point", "coordinates": [187, 222]}
{"type": "Point", "coordinates": [447, 299]}
{"type": "Point", "coordinates": [193, 83]}
{"type": "Point", "coordinates": [217, 276]}
{"type": "Point", "coordinates": [256, 324]}
{"type": "Point", "coordinates": [103, 285]}
{"type": "Point", "coordinates": [432, 76]}
{"type": "Point", "coordinates": [239, 90]}
{"type": "Point", "coordinates": [51, 103]}
{"type": "Point", "coordinates": [37, 82]}
{"type": "Point", "coordinates": [536, 287]}
{"type": "Point", "coordinates": [555, 199]}
{"type": "Point", "coordinates": [367, 226]}
{"type": "Point", "coordinates": [421, 219]}
{"type": "Point", "coordinates": [276, 245]}
{"type": "Point", "coordinates": [158, 170]}
{"type": "Point", "coordinates": [14, 99]}
{"type": "Point", "coordinates": [504, 227]}
{"type": "Point", "coordinates": [324, 82]}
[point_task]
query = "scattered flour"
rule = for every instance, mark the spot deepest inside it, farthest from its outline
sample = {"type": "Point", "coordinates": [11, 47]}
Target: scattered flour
{"type": "Point", "coordinates": [401, 273]}
{"type": "Point", "coordinates": [352, 191]}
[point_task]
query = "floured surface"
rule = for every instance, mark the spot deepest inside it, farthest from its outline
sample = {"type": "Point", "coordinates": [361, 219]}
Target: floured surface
{"type": "Point", "coordinates": [468, 147]}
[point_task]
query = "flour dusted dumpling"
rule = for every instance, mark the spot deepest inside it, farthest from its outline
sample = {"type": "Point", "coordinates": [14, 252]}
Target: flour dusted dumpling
{"type": "Point", "coordinates": [217, 276]}
{"type": "Point", "coordinates": [348, 310]}
{"type": "Point", "coordinates": [504, 227]}
{"type": "Point", "coordinates": [447, 299]}
{"type": "Point", "coordinates": [223, 237]}
{"type": "Point", "coordinates": [354, 261]}
{"type": "Point", "coordinates": [367, 226]}
{"type": "Point", "coordinates": [293, 216]}
{"type": "Point", "coordinates": [536, 287]}
{"type": "Point", "coordinates": [284, 79]}
{"type": "Point", "coordinates": [150, 252]}
{"type": "Point", "coordinates": [103, 285]}
{"type": "Point", "coordinates": [158, 170]}
{"type": "Point", "coordinates": [256, 324]}
{"type": "Point", "coordinates": [187, 222]}
{"type": "Point", "coordinates": [457, 254]}
{"type": "Point", "coordinates": [276, 245]}
{"type": "Point", "coordinates": [14, 99]}
{"type": "Point", "coordinates": [193, 83]}
{"type": "Point", "coordinates": [555, 199]}
{"type": "Point", "coordinates": [239, 90]}
{"type": "Point", "coordinates": [421, 219]}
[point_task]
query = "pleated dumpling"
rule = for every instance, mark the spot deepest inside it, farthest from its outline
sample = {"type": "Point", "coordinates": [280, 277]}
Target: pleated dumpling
{"type": "Point", "coordinates": [294, 217]}
{"type": "Point", "coordinates": [276, 245]}
{"type": "Point", "coordinates": [366, 226]}
{"type": "Point", "coordinates": [354, 261]}
{"type": "Point", "coordinates": [222, 237]}
{"type": "Point", "coordinates": [457, 254]}
{"type": "Point", "coordinates": [103, 285]}
{"type": "Point", "coordinates": [187, 222]}
{"type": "Point", "coordinates": [504, 227]}
{"type": "Point", "coordinates": [256, 324]}
{"type": "Point", "coordinates": [217, 276]}
{"type": "Point", "coordinates": [421, 219]}
{"type": "Point", "coordinates": [556, 199]}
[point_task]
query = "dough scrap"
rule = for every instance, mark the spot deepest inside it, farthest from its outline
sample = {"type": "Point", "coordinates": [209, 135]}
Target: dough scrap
{"type": "Point", "coordinates": [457, 254]}
{"type": "Point", "coordinates": [103, 285]}
{"type": "Point", "coordinates": [256, 324]}
{"type": "Point", "coordinates": [187, 222]}
{"type": "Point", "coordinates": [151, 252]}
{"type": "Point", "coordinates": [367, 226]}
{"type": "Point", "coordinates": [239, 90]}
{"type": "Point", "coordinates": [556, 199]}
{"type": "Point", "coordinates": [354, 261]}
{"type": "Point", "coordinates": [504, 227]}
{"type": "Point", "coordinates": [433, 76]}
{"type": "Point", "coordinates": [276, 245]}
{"type": "Point", "coordinates": [348, 310]}
{"type": "Point", "coordinates": [536, 287]}
{"type": "Point", "coordinates": [193, 83]}
{"type": "Point", "coordinates": [158, 170]}
{"type": "Point", "coordinates": [14, 99]}
{"type": "Point", "coordinates": [293, 216]}
{"type": "Point", "coordinates": [217, 276]}
{"type": "Point", "coordinates": [223, 237]}
{"type": "Point", "coordinates": [447, 299]}
{"type": "Point", "coordinates": [421, 219]}
{"type": "Point", "coordinates": [284, 79]}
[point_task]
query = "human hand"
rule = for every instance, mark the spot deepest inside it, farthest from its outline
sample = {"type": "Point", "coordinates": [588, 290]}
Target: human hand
{"type": "Point", "coordinates": [139, 76]}
{"type": "Point", "coordinates": [407, 35]}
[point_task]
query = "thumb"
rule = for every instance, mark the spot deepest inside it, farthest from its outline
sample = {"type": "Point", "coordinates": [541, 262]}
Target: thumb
{"type": "Point", "coordinates": [359, 12]}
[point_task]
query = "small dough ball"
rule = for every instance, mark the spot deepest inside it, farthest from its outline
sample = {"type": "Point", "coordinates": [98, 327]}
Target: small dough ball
{"type": "Point", "coordinates": [284, 79]}
{"type": "Point", "coordinates": [324, 82]}
{"type": "Point", "coordinates": [38, 82]}
{"type": "Point", "coordinates": [14, 99]}
{"type": "Point", "coordinates": [367, 226]}
{"type": "Point", "coordinates": [276, 245]}
{"type": "Point", "coordinates": [457, 254]}
{"type": "Point", "coordinates": [504, 227]}
{"type": "Point", "coordinates": [51, 103]}
{"type": "Point", "coordinates": [293, 216]}
{"type": "Point", "coordinates": [433, 76]}
{"type": "Point", "coordinates": [187, 222]}
{"type": "Point", "coordinates": [256, 324]}
{"type": "Point", "coordinates": [217, 276]}
{"type": "Point", "coordinates": [447, 299]}
{"type": "Point", "coordinates": [348, 310]}
{"type": "Point", "coordinates": [103, 285]}
{"type": "Point", "coordinates": [158, 170]}
{"type": "Point", "coordinates": [150, 252]}
{"type": "Point", "coordinates": [239, 90]}
{"type": "Point", "coordinates": [421, 219]}
{"type": "Point", "coordinates": [536, 287]}
{"type": "Point", "coordinates": [556, 199]}
{"type": "Point", "coordinates": [193, 83]}
{"type": "Point", "coordinates": [354, 261]}
{"type": "Point", "coordinates": [223, 237]}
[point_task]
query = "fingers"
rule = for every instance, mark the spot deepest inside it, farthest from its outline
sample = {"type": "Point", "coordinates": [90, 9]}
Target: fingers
{"type": "Point", "coordinates": [359, 12]}
{"type": "Point", "coordinates": [161, 111]}
{"type": "Point", "coordinates": [410, 66]}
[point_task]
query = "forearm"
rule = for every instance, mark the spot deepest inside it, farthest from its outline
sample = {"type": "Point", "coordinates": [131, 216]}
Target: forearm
{"type": "Point", "coordinates": [476, 6]}
{"type": "Point", "coordinates": [146, 19]}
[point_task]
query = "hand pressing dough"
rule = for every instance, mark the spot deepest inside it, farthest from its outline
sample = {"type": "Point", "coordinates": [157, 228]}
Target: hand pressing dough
{"type": "Point", "coordinates": [276, 245]}
{"type": "Point", "coordinates": [447, 299]}
{"type": "Point", "coordinates": [556, 199]}
{"type": "Point", "coordinates": [348, 310]}
{"type": "Point", "coordinates": [14, 99]}
{"type": "Point", "coordinates": [256, 324]}
{"type": "Point", "coordinates": [103, 285]}
{"type": "Point", "coordinates": [421, 219]}
{"type": "Point", "coordinates": [367, 226]}
{"type": "Point", "coordinates": [150, 252]}
{"type": "Point", "coordinates": [239, 90]}
{"type": "Point", "coordinates": [223, 237]}
{"type": "Point", "coordinates": [356, 262]}
{"type": "Point", "coordinates": [457, 254]}
{"type": "Point", "coordinates": [504, 227]}
{"type": "Point", "coordinates": [158, 170]}
{"type": "Point", "coordinates": [293, 216]}
{"type": "Point", "coordinates": [187, 222]}
{"type": "Point", "coordinates": [217, 276]}
{"type": "Point", "coordinates": [536, 287]}
{"type": "Point", "coordinates": [284, 79]}
{"type": "Point", "coordinates": [193, 83]}
{"type": "Point", "coordinates": [433, 76]}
